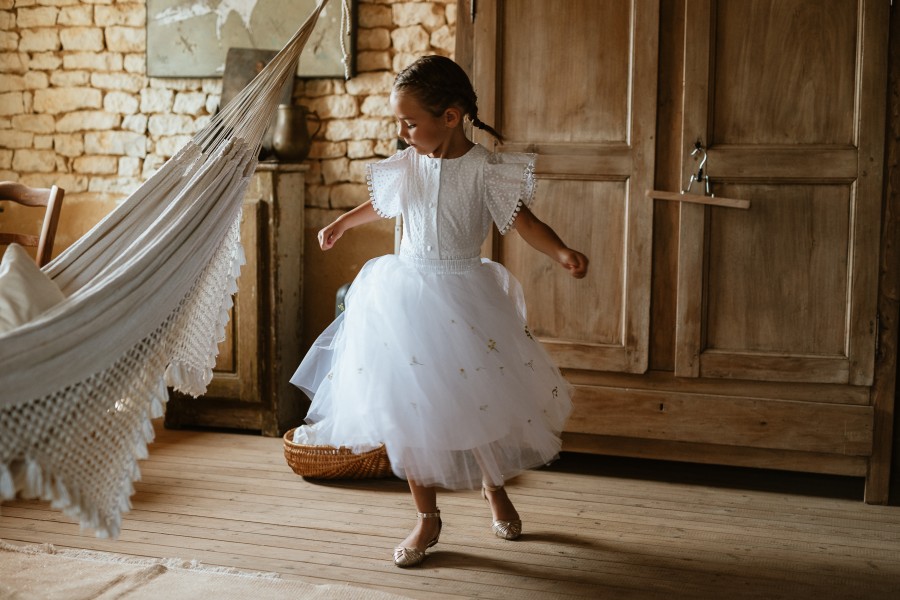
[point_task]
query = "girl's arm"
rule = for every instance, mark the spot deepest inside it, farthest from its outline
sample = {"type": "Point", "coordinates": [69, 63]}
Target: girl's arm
{"type": "Point", "coordinates": [540, 236]}
{"type": "Point", "coordinates": [362, 214]}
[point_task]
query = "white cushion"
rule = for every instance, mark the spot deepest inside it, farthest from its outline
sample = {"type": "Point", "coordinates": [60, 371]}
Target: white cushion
{"type": "Point", "coordinates": [25, 291]}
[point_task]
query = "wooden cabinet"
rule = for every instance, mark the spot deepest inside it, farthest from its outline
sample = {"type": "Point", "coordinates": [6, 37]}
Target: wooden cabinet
{"type": "Point", "coordinates": [250, 388]}
{"type": "Point", "coordinates": [703, 333]}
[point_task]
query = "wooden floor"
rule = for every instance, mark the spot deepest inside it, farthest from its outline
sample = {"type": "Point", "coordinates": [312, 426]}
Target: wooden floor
{"type": "Point", "coordinates": [595, 527]}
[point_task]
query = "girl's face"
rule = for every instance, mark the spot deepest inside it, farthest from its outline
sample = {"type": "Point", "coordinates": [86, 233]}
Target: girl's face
{"type": "Point", "coordinates": [419, 128]}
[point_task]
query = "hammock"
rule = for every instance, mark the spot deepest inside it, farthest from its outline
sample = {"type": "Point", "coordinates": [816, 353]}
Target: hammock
{"type": "Point", "coordinates": [148, 291]}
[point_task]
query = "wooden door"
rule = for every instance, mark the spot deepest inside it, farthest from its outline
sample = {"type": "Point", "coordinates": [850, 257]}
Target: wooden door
{"type": "Point", "coordinates": [788, 98]}
{"type": "Point", "coordinates": [575, 82]}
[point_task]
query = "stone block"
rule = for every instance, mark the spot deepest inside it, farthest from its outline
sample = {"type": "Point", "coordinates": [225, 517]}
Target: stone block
{"type": "Point", "coordinates": [36, 80]}
{"type": "Point", "coordinates": [121, 102]}
{"type": "Point", "coordinates": [118, 81]}
{"type": "Point", "coordinates": [444, 39]}
{"type": "Point", "coordinates": [378, 106]}
{"type": "Point", "coordinates": [117, 143]}
{"type": "Point", "coordinates": [361, 149]}
{"type": "Point", "coordinates": [13, 140]}
{"type": "Point", "coordinates": [171, 124]}
{"type": "Point", "coordinates": [7, 20]}
{"type": "Point", "coordinates": [129, 166]}
{"type": "Point", "coordinates": [213, 86]}
{"type": "Point", "coordinates": [41, 16]}
{"type": "Point", "coordinates": [317, 196]}
{"type": "Point", "coordinates": [70, 78]}
{"type": "Point", "coordinates": [84, 39]}
{"type": "Point", "coordinates": [358, 170]}
{"type": "Point", "coordinates": [319, 87]}
{"type": "Point", "coordinates": [373, 39]}
{"type": "Point", "coordinates": [76, 15]}
{"type": "Point", "coordinates": [90, 61]}
{"type": "Point", "coordinates": [367, 84]}
{"type": "Point", "coordinates": [373, 60]}
{"type": "Point", "coordinates": [155, 100]}
{"type": "Point", "coordinates": [6, 159]}
{"type": "Point", "coordinates": [42, 142]}
{"type": "Point", "coordinates": [43, 39]}
{"type": "Point", "coordinates": [212, 103]}
{"type": "Point", "coordinates": [319, 150]}
{"type": "Point", "coordinates": [96, 165]}
{"type": "Point", "coordinates": [87, 120]}
{"type": "Point", "coordinates": [375, 15]}
{"type": "Point", "coordinates": [71, 182]}
{"type": "Point", "coordinates": [136, 63]}
{"type": "Point", "coordinates": [13, 62]}
{"type": "Point", "coordinates": [451, 13]}
{"type": "Point", "coordinates": [40, 161]}
{"type": "Point", "coordinates": [9, 40]}
{"type": "Point", "coordinates": [56, 101]}
{"type": "Point", "coordinates": [12, 83]}
{"type": "Point", "coordinates": [403, 60]}
{"type": "Point", "coordinates": [12, 103]}
{"type": "Point", "coordinates": [135, 123]}
{"type": "Point", "coordinates": [412, 39]}
{"type": "Point", "coordinates": [168, 146]}
{"type": "Point", "coordinates": [126, 39]}
{"type": "Point", "coordinates": [335, 107]}
{"type": "Point", "coordinates": [340, 130]}
{"type": "Point", "coordinates": [335, 170]}
{"type": "Point", "coordinates": [34, 123]}
{"type": "Point", "coordinates": [69, 144]}
{"type": "Point", "coordinates": [191, 103]}
{"type": "Point", "coordinates": [427, 14]}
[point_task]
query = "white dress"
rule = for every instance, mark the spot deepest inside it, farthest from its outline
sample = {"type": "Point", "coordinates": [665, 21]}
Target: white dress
{"type": "Point", "coordinates": [433, 356]}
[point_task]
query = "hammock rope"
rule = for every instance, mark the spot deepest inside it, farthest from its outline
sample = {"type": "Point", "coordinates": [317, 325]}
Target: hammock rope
{"type": "Point", "coordinates": [148, 292]}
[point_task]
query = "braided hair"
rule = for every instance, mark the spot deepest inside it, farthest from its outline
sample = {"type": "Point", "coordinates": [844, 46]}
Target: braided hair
{"type": "Point", "coordinates": [439, 83]}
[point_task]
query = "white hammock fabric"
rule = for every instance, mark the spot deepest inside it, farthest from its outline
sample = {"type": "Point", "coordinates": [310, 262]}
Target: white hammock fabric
{"type": "Point", "coordinates": [147, 297]}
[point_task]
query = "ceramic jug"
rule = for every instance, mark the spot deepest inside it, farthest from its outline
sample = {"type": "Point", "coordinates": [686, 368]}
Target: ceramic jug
{"type": "Point", "coordinates": [291, 139]}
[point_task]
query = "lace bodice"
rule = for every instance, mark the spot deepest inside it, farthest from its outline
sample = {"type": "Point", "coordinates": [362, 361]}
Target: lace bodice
{"type": "Point", "coordinates": [448, 204]}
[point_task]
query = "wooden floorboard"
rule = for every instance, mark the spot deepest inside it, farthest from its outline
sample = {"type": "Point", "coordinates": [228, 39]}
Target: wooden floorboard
{"type": "Point", "coordinates": [595, 527]}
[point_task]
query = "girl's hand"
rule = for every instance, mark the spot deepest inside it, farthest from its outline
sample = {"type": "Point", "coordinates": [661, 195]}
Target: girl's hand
{"type": "Point", "coordinates": [574, 262]}
{"type": "Point", "coordinates": [329, 235]}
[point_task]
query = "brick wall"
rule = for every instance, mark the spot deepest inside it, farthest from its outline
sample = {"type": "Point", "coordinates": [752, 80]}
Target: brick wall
{"type": "Point", "coordinates": [77, 109]}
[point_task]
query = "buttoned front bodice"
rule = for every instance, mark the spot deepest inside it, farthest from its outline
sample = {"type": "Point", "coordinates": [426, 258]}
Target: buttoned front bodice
{"type": "Point", "coordinates": [448, 204]}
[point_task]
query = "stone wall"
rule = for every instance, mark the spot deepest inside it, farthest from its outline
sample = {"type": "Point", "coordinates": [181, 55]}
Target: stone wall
{"type": "Point", "coordinates": [78, 110]}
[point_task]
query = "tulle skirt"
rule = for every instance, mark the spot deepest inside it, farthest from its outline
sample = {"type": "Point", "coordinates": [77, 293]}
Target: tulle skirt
{"type": "Point", "coordinates": [435, 360]}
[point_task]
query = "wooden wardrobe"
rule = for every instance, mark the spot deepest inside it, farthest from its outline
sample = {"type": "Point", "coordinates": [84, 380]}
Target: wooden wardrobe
{"type": "Point", "coordinates": [704, 333]}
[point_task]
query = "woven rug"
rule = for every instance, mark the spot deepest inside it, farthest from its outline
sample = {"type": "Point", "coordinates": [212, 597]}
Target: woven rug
{"type": "Point", "coordinates": [48, 573]}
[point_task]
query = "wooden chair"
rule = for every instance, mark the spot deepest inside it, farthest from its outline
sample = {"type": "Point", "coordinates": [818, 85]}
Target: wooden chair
{"type": "Point", "coordinates": [28, 196]}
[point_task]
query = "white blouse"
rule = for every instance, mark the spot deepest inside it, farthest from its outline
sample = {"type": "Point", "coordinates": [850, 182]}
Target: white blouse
{"type": "Point", "coordinates": [448, 204]}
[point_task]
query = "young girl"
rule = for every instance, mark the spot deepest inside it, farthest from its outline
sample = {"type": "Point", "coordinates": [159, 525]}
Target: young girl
{"type": "Point", "coordinates": [433, 356]}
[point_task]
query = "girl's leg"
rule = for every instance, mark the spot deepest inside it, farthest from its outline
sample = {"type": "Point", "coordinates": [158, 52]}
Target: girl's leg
{"type": "Point", "coordinates": [506, 524]}
{"type": "Point", "coordinates": [427, 529]}
{"type": "Point", "coordinates": [502, 507]}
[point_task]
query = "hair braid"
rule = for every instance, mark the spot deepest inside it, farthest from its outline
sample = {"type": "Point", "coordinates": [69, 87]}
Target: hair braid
{"type": "Point", "coordinates": [439, 83]}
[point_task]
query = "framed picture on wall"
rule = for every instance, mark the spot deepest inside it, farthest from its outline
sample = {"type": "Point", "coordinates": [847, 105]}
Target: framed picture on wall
{"type": "Point", "coordinates": [191, 38]}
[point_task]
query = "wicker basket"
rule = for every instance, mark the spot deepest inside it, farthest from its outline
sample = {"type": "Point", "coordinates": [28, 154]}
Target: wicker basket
{"type": "Point", "coordinates": [328, 462]}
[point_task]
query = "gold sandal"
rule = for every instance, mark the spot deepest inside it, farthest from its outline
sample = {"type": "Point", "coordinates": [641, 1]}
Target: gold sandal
{"type": "Point", "coordinates": [410, 557]}
{"type": "Point", "coordinates": [507, 530]}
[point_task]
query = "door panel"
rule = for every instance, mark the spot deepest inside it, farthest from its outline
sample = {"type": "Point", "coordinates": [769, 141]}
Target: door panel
{"type": "Point", "coordinates": [576, 208]}
{"type": "Point", "coordinates": [594, 130]}
{"type": "Point", "coordinates": [785, 96]}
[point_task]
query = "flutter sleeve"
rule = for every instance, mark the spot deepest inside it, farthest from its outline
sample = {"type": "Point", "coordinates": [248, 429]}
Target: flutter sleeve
{"type": "Point", "coordinates": [387, 180]}
{"type": "Point", "coordinates": [509, 182]}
